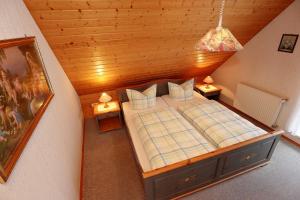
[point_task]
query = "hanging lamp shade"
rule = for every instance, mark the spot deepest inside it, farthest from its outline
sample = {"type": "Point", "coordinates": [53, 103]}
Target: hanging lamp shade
{"type": "Point", "coordinates": [219, 38]}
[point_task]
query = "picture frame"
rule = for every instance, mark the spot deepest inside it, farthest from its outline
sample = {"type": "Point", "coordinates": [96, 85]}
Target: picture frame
{"type": "Point", "coordinates": [288, 43]}
{"type": "Point", "coordinates": [25, 93]}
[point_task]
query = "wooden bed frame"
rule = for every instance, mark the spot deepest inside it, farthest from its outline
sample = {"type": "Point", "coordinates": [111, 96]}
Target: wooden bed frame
{"type": "Point", "coordinates": [188, 176]}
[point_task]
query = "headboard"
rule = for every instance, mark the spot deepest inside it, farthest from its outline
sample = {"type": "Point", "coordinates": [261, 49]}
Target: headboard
{"type": "Point", "coordinates": [162, 88]}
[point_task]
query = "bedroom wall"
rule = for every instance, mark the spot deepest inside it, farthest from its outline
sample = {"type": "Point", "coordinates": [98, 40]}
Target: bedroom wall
{"type": "Point", "coordinates": [49, 167]}
{"type": "Point", "coordinates": [261, 65]}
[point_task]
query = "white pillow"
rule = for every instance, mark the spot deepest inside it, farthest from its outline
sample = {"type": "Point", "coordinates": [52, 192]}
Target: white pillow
{"type": "Point", "coordinates": [183, 91]}
{"type": "Point", "coordinates": [142, 100]}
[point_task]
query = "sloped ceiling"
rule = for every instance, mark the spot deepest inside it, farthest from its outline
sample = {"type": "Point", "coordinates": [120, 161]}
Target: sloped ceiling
{"type": "Point", "coordinates": [105, 44]}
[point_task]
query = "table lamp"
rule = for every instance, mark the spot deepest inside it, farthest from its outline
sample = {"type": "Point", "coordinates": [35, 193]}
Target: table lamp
{"type": "Point", "coordinates": [104, 98]}
{"type": "Point", "coordinates": [208, 80]}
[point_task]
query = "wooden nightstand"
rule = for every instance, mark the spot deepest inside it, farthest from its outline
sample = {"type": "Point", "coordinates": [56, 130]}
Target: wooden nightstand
{"type": "Point", "coordinates": [108, 118]}
{"type": "Point", "coordinates": [211, 93]}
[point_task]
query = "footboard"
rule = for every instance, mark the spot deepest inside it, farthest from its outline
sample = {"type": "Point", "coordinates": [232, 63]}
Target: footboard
{"type": "Point", "coordinates": [205, 170]}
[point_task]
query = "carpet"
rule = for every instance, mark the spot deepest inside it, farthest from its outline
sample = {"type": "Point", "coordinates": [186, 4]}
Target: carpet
{"type": "Point", "coordinates": [110, 173]}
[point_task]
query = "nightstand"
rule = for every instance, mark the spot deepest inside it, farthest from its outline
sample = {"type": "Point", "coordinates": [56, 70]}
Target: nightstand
{"type": "Point", "coordinates": [109, 118]}
{"type": "Point", "coordinates": [211, 93]}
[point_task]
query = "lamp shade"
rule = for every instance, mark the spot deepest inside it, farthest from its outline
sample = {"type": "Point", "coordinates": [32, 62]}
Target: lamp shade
{"type": "Point", "coordinates": [208, 80]}
{"type": "Point", "coordinates": [218, 39]}
{"type": "Point", "coordinates": [104, 98]}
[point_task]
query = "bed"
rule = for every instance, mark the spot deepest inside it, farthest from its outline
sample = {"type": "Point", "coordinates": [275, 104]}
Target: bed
{"type": "Point", "coordinates": [195, 173]}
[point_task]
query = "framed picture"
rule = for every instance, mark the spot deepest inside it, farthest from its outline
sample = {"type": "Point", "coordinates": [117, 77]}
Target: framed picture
{"type": "Point", "coordinates": [288, 42]}
{"type": "Point", "coordinates": [25, 93]}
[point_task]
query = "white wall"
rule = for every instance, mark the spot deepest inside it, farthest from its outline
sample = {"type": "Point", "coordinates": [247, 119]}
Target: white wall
{"type": "Point", "coordinates": [261, 65]}
{"type": "Point", "coordinates": [49, 167]}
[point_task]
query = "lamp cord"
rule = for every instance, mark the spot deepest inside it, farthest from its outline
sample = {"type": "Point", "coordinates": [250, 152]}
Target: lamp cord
{"type": "Point", "coordinates": [221, 13]}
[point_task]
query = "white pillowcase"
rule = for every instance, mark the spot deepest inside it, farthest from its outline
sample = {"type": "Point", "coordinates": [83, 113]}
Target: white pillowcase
{"type": "Point", "coordinates": [183, 91]}
{"type": "Point", "coordinates": [142, 100]}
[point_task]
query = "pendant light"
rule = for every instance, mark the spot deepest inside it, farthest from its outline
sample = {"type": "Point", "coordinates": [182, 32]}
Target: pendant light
{"type": "Point", "coordinates": [219, 38]}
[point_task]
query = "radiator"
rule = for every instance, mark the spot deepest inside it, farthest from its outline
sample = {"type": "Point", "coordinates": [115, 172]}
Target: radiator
{"type": "Point", "coordinates": [262, 106]}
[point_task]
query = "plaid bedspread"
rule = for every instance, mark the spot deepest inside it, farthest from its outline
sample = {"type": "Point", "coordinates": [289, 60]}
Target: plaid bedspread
{"type": "Point", "coordinates": [168, 138]}
{"type": "Point", "coordinates": [221, 126]}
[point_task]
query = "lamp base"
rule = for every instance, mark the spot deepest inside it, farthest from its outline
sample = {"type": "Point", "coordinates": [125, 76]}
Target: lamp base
{"type": "Point", "coordinates": [106, 105]}
{"type": "Point", "coordinates": [207, 86]}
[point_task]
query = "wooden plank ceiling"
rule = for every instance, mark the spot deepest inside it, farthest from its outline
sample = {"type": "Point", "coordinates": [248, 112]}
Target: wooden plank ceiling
{"type": "Point", "coordinates": [105, 44]}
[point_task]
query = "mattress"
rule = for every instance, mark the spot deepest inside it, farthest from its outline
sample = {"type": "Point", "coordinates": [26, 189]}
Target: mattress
{"type": "Point", "coordinates": [168, 138]}
{"type": "Point", "coordinates": [221, 126]}
{"type": "Point", "coordinates": [129, 115]}
{"type": "Point", "coordinates": [218, 124]}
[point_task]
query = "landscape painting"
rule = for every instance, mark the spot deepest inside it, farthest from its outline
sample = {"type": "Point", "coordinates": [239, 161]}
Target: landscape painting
{"type": "Point", "coordinates": [25, 92]}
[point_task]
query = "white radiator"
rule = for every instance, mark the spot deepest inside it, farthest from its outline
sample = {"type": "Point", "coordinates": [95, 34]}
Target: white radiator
{"type": "Point", "coordinates": [260, 105]}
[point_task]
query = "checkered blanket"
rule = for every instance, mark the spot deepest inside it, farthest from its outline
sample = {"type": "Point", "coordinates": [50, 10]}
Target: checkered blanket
{"type": "Point", "coordinates": [221, 126]}
{"type": "Point", "coordinates": [168, 138]}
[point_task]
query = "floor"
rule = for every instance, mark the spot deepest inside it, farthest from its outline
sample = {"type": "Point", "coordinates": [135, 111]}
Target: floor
{"type": "Point", "coordinates": [110, 173]}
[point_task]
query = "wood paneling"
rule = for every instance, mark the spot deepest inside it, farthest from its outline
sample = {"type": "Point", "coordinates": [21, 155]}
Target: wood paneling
{"type": "Point", "coordinates": [105, 44]}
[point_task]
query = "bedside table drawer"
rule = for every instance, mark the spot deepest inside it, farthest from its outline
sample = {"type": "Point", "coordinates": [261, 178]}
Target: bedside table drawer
{"type": "Point", "coordinates": [108, 115]}
{"type": "Point", "coordinates": [210, 93]}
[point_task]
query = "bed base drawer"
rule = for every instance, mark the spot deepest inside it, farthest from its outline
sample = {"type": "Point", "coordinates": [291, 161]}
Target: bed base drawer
{"type": "Point", "coordinates": [246, 157]}
{"type": "Point", "coordinates": [177, 182]}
